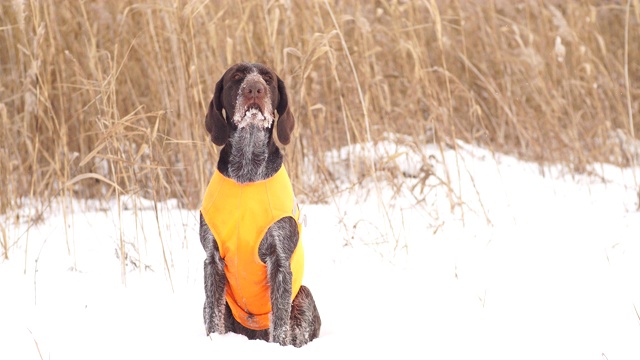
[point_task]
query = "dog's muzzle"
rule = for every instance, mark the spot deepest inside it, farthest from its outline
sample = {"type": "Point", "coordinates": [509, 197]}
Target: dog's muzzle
{"type": "Point", "coordinates": [253, 105]}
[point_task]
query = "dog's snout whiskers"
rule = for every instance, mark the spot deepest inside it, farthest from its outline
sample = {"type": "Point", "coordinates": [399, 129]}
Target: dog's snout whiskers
{"type": "Point", "coordinates": [253, 104]}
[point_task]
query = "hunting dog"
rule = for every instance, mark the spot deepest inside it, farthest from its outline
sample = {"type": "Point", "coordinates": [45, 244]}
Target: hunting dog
{"type": "Point", "coordinates": [249, 220]}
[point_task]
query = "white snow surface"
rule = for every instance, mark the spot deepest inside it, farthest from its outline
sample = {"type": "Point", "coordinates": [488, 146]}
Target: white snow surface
{"type": "Point", "coordinates": [530, 262]}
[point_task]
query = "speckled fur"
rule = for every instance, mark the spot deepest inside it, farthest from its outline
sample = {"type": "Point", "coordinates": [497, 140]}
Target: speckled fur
{"type": "Point", "coordinates": [250, 154]}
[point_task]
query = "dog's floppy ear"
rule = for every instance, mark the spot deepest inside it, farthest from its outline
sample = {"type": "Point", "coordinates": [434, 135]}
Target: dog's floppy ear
{"type": "Point", "coordinates": [214, 121]}
{"type": "Point", "coordinates": [286, 122]}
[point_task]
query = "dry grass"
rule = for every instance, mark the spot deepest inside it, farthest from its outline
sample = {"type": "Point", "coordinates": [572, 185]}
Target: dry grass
{"type": "Point", "coordinates": [101, 99]}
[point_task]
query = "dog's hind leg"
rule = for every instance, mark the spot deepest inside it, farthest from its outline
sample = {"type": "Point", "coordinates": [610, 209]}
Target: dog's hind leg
{"type": "Point", "coordinates": [305, 319]}
{"type": "Point", "coordinates": [214, 282]}
{"type": "Point", "coordinates": [275, 251]}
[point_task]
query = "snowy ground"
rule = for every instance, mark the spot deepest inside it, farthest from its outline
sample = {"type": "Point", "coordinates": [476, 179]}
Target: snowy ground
{"type": "Point", "coordinates": [529, 264]}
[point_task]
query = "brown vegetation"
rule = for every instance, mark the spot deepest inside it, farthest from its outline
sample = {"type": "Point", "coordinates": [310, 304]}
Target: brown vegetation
{"type": "Point", "coordinates": [107, 98]}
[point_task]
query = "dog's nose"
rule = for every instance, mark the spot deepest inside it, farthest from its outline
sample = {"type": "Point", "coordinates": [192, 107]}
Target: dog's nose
{"type": "Point", "coordinates": [254, 89]}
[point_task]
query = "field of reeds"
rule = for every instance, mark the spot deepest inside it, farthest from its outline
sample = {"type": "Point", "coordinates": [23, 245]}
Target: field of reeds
{"type": "Point", "coordinates": [103, 99]}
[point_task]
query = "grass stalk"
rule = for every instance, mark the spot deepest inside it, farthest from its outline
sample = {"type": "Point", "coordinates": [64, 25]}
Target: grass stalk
{"type": "Point", "coordinates": [106, 100]}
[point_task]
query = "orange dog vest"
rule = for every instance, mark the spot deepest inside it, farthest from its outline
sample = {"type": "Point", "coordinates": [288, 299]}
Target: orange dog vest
{"type": "Point", "coordinates": [239, 215]}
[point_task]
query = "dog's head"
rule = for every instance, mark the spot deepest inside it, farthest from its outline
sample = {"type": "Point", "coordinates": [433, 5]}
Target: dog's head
{"type": "Point", "coordinates": [249, 94]}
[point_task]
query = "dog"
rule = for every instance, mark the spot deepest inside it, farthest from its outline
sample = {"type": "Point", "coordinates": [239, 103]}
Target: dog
{"type": "Point", "coordinates": [249, 221]}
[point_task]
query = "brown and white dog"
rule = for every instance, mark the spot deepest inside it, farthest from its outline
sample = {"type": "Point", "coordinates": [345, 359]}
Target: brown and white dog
{"type": "Point", "coordinates": [252, 271]}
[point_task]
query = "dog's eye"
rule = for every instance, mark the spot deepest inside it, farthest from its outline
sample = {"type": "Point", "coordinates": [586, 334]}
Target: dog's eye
{"type": "Point", "coordinates": [237, 76]}
{"type": "Point", "coordinates": [268, 79]}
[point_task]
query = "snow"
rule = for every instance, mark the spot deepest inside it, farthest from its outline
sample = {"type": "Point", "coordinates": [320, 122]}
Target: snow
{"type": "Point", "coordinates": [501, 259]}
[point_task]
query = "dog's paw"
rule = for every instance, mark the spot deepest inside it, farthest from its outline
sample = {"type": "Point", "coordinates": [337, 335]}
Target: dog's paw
{"type": "Point", "coordinates": [213, 322]}
{"type": "Point", "coordinates": [299, 336]}
{"type": "Point", "coordinates": [220, 328]}
{"type": "Point", "coordinates": [280, 336]}
{"type": "Point", "coordinates": [214, 328]}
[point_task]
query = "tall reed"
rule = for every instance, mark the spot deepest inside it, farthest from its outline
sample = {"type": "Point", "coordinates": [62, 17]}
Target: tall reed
{"type": "Point", "coordinates": [102, 99]}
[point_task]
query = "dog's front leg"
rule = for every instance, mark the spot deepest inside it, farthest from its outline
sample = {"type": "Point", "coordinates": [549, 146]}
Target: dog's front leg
{"type": "Point", "coordinates": [275, 251]}
{"type": "Point", "coordinates": [215, 282]}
